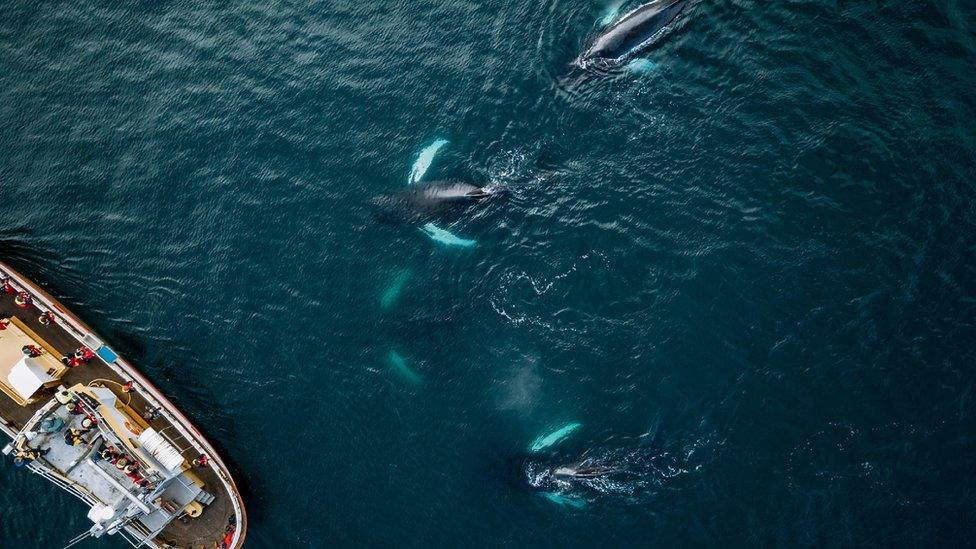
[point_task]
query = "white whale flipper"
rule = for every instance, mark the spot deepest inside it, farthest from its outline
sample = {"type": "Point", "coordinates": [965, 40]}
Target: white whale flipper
{"type": "Point", "coordinates": [544, 441]}
{"type": "Point", "coordinates": [424, 160]}
{"type": "Point", "coordinates": [445, 237]}
{"type": "Point", "coordinates": [611, 14]}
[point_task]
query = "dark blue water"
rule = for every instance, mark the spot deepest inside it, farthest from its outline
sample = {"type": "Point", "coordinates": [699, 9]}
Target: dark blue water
{"type": "Point", "coordinates": [747, 272]}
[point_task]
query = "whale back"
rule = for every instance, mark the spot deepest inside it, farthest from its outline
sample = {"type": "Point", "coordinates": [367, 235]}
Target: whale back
{"type": "Point", "coordinates": [635, 31]}
{"type": "Point", "coordinates": [422, 202]}
{"type": "Point", "coordinates": [451, 190]}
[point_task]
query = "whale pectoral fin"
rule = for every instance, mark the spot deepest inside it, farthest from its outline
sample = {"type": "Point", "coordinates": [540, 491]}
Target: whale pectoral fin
{"type": "Point", "coordinates": [445, 237]}
{"type": "Point", "coordinates": [611, 14]}
{"type": "Point", "coordinates": [565, 501]}
{"type": "Point", "coordinates": [399, 365]}
{"type": "Point", "coordinates": [392, 291]}
{"type": "Point", "coordinates": [424, 159]}
{"type": "Point", "coordinates": [546, 440]}
{"type": "Point", "coordinates": [641, 66]}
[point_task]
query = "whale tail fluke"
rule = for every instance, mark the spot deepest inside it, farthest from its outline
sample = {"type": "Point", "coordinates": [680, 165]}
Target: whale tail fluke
{"type": "Point", "coordinates": [424, 160]}
{"type": "Point", "coordinates": [445, 237]}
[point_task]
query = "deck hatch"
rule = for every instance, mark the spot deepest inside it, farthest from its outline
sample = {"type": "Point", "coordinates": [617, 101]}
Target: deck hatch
{"type": "Point", "coordinates": [108, 355]}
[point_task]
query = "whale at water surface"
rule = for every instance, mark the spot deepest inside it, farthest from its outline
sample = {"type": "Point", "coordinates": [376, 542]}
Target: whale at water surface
{"type": "Point", "coordinates": [426, 201]}
{"type": "Point", "coordinates": [422, 203]}
{"type": "Point", "coordinates": [625, 40]}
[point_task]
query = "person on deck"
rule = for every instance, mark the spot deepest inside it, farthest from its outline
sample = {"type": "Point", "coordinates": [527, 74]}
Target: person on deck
{"type": "Point", "coordinates": [152, 413]}
{"type": "Point", "coordinates": [8, 288]}
{"type": "Point", "coordinates": [73, 437]}
{"type": "Point", "coordinates": [27, 455]}
{"type": "Point", "coordinates": [4, 322]}
{"type": "Point", "coordinates": [46, 318]}
{"type": "Point", "coordinates": [85, 354]}
{"type": "Point", "coordinates": [31, 454]}
{"type": "Point", "coordinates": [23, 300]}
{"type": "Point", "coordinates": [31, 351]}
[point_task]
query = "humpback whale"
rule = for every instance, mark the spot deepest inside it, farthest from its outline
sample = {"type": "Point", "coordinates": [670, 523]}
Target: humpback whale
{"type": "Point", "coordinates": [623, 42]}
{"type": "Point", "coordinates": [423, 203]}
{"type": "Point", "coordinates": [573, 484]}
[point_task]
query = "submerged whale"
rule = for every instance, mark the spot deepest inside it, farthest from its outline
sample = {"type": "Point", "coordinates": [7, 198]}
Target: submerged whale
{"type": "Point", "coordinates": [626, 39]}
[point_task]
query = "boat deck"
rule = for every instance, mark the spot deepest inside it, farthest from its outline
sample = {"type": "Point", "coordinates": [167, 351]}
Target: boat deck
{"type": "Point", "coordinates": [206, 530]}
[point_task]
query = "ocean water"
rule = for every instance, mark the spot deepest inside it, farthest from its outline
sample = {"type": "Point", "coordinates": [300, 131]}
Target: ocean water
{"type": "Point", "coordinates": [747, 270]}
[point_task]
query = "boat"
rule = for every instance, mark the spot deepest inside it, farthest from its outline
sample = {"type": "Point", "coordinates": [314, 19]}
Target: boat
{"type": "Point", "coordinates": [85, 419]}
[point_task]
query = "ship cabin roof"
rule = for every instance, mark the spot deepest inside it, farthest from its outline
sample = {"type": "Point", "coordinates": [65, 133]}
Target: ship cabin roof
{"type": "Point", "coordinates": [23, 377]}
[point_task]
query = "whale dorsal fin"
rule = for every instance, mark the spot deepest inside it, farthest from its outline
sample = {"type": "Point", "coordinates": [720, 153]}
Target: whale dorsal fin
{"type": "Point", "coordinates": [424, 159]}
